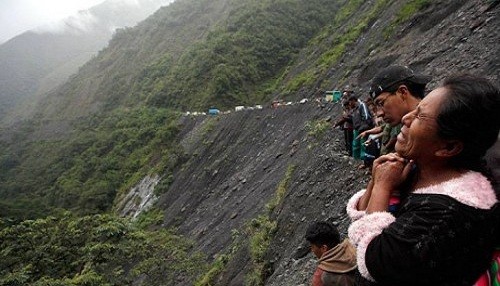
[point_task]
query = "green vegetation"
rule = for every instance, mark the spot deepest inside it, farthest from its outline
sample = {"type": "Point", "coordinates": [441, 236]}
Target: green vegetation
{"type": "Point", "coordinates": [403, 15]}
{"type": "Point", "coordinates": [261, 230]}
{"type": "Point", "coordinates": [93, 250]}
{"type": "Point", "coordinates": [317, 128]}
{"type": "Point", "coordinates": [409, 9]}
{"type": "Point", "coordinates": [343, 14]}
{"type": "Point", "coordinates": [85, 171]}
{"type": "Point", "coordinates": [183, 57]}
{"type": "Point", "coordinates": [209, 125]}
{"type": "Point", "coordinates": [216, 268]}
{"type": "Point", "coordinates": [345, 29]}
{"type": "Point", "coordinates": [219, 265]}
{"type": "Point", "coordinates": [306, 78]}
{"type": "Point", "coordinates": [150, 218]}
{"type": "Point", "coordinates": [350, 35]}
{"type": "Point", "coordinates": [281, 190]}
{"type": "Point", "coordinates": [236, 62]}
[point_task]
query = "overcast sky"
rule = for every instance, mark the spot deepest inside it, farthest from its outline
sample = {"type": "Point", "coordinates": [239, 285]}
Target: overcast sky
{"type": "Point", "coordinates": [17, 16]}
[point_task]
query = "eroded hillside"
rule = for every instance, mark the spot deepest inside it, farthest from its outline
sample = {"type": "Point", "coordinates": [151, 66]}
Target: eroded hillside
{"type": "Point", "coordinates": [228, 193]}
{"type": "Point", "coordinates": [434, 37]}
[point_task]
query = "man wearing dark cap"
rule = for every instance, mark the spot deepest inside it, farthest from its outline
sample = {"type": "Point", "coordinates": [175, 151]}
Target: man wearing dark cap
{"type": "Point", "coordinates": [396, 90]}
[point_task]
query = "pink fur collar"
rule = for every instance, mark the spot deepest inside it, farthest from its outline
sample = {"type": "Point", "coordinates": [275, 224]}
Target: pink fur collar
{"type": "Point", "coordinates": [472, 189]}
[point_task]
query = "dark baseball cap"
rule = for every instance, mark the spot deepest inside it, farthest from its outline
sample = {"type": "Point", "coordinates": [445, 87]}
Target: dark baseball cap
{"type": "Point", "coordinates": [391, 75]}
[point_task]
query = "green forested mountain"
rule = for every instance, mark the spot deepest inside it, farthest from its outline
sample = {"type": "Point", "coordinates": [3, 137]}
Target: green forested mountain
{"type": "Point", "coordinates": [108, 118]}
{"type": "Point", "coordinates": [195, 54]}
{"type": "Point", "coordinates": [239, 61]}
{"type": "Point", "coordinates": [84, 170]}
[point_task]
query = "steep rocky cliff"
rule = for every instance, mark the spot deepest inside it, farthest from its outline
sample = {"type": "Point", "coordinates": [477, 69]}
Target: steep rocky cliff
{"type": "Point", "coordinates": [442, 38]}
{"type": "Point", "coordinates": [237, 162]}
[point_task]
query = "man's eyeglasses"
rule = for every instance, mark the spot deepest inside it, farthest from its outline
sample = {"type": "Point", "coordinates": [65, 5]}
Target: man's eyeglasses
{"type": "Point", "coordinates": [379, 102]}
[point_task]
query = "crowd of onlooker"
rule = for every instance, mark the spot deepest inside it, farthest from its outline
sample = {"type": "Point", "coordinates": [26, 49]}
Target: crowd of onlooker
{"type": "Point", "coordinates": [429, 214]}
{"type": "Point", "coordinates": [370, 129]}
{"type": "Point", "coordinates": [366, 135]}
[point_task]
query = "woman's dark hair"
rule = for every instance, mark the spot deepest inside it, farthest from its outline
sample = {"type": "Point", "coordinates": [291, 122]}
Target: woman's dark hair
{"type": "Point", "coordinates": [323, 233]}
{"type": "Point", "coordinates": [470, 114]}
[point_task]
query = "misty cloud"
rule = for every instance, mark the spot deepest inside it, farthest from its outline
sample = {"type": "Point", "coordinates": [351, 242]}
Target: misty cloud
{"type": "Point", "coordinates": [105, 17]}
{"type": "Point", "coordinates": [83, 22]}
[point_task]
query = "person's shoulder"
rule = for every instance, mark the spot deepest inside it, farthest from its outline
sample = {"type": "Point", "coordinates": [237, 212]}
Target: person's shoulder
{"type": "Point", "coordinates": [430, 200]}
{"type": "Point", "coordinates": [471, 189]}
{"type": "Point", "coordinates": [440, 207]}
{"type": "Point", "coordinates": [396, 129]}
{"type": "Point", "coordinates": [335, 279]}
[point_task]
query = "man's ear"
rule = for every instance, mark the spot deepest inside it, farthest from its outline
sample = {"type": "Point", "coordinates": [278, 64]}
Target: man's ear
{"type": "Point", "coordinates": [450, 148]}
{"type": "Point", "coordinates": [403, 91]}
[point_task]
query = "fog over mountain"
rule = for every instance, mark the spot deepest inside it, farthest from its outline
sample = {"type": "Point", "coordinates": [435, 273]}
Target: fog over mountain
{"type": "Point", "coordinates": [19, 16]}
{"type": "Point", "coordinates": [37, 61]}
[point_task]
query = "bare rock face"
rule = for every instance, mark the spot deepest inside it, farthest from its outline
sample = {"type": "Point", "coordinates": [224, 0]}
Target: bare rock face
{"type": "Point", "coordinates": [140, 198]}
{"type": "Point", "coordinates": [235, 170]}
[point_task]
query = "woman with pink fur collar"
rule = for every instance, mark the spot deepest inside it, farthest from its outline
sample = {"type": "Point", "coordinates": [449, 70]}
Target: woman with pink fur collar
{"type": "Point", "coordinates": [447, 223]}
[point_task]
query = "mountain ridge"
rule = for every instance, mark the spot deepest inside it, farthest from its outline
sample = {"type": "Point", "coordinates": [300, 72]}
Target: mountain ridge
{"type": "Point", "coordinates": [37, 61]}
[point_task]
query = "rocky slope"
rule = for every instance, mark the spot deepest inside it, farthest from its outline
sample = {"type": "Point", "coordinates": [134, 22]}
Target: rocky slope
{"type": "Point", "coordinates": [237, 162]}
{"type": "Point", "coordinates": [442, 38]}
